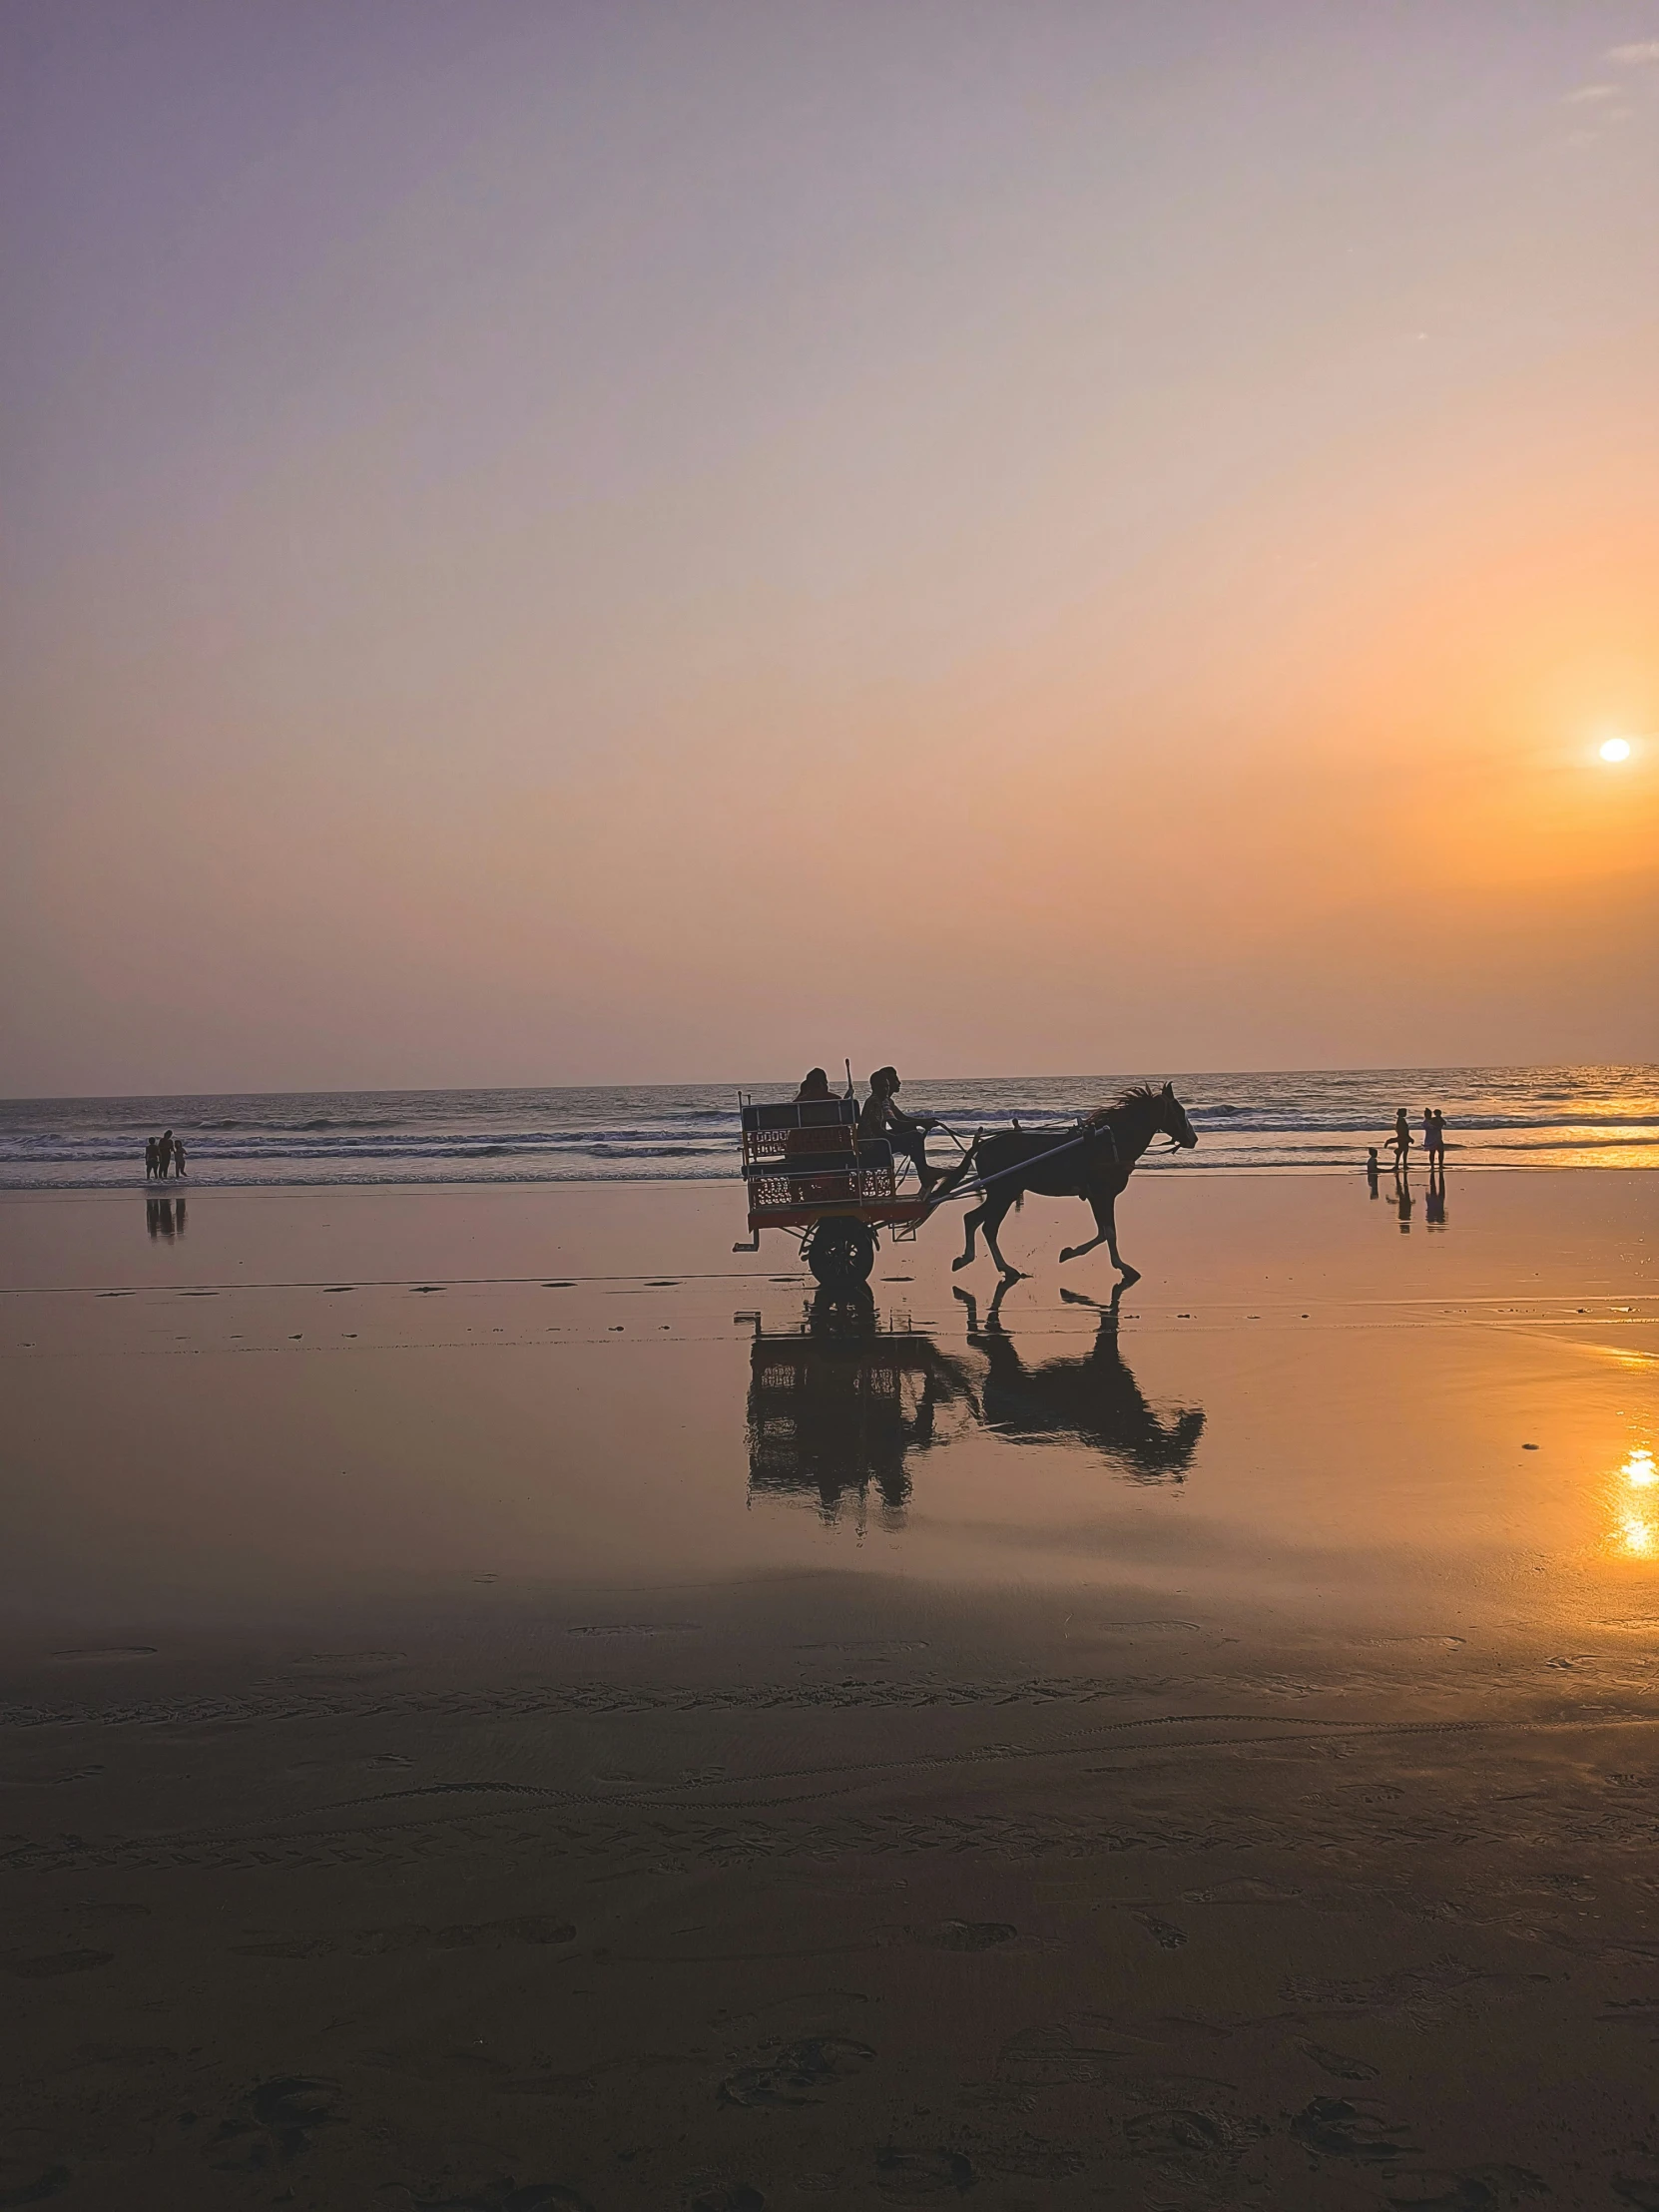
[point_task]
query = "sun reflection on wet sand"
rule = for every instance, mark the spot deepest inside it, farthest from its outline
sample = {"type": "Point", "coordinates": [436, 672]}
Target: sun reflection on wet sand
{"type": "Point", "coordinates": [1635, 1532]}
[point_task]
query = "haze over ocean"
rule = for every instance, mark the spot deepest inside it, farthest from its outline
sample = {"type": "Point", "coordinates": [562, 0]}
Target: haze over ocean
{"type": "Point", "coordinates": [667, 1132]}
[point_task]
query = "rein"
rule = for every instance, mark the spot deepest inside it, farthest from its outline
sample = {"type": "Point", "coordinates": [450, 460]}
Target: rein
{"type": "Point", "coordinates": [1088, 1136]}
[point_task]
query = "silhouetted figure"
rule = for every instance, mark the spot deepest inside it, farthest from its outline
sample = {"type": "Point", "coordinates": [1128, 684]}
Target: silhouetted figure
{"type": "Point", "coordinates": [150, 1153]}
{"type": "Point", "coordinates": [1433, 1125]}
{"type": "Point", "coordinates": [1401, 1139]}
{"type": "Point", "coordinates": [1094, 1399]}
{"type": "Point", "coordinates": [1373, 1171]}
{"type": "Point", "coordinates": [164, 1153]}
{"type": "Point", "coordinates": [178, 1154]}
{"type": "Point", "coordinates": [813, 1084]}
{"type": "Point", "coordinates": [843, 1403]}
{"type": "Point", "coordinates": [883, 1116]}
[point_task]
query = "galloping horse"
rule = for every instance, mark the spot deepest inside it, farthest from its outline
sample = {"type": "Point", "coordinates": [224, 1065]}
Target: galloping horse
{"type": "Point", "coordinates": [1093, 1163]}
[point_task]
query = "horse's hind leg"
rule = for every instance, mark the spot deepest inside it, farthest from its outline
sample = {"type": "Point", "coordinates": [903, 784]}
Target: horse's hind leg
{"type": "Point", "coordinates": [996, 1211]}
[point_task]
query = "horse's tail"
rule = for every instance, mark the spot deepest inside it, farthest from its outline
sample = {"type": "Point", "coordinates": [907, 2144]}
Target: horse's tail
{"type": "Point", "coordinates": [959, 1174]}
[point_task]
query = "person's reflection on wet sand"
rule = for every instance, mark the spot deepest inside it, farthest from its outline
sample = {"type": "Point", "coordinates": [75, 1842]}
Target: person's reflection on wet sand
{"type": "Point", "coordinates": [1095, 1400]}
{"type": "Point", "coordinates": [1433, 1203]}
{"type": "Point", "coordinates": [842, 1405]}
{"type": "Point", "coordinates": [164, 1216]}
{"type": "Point", "coordinates": [1403, 1199]}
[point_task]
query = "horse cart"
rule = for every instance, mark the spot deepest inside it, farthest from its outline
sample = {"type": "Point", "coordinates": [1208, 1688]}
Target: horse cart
{"type": "Point", "coordinates": [806, 1168]}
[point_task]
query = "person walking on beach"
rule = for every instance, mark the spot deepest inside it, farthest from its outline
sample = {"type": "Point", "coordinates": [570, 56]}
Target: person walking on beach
{"type": "Point", "coordinates": [150, 1147]}
{"type": "Point", "coordinates": [1401, 1138]}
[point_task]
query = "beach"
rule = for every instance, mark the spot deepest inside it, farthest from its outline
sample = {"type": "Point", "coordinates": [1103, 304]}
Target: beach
{"type": "Point", "coordinates": [508, 1703]}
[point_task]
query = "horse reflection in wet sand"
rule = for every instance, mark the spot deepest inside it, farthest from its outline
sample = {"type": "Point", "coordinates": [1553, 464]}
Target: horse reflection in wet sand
{"type": "Point", "coordinates": [1093, 1401]}
{"type": "Point", "coordinates": [1094, 1163]}
{"type": "Point", "coordinates": [842, 1406]}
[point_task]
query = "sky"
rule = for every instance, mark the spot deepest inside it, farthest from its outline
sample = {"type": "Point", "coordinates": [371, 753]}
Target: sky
{"type": "Point", "coordinates": [558, 541]}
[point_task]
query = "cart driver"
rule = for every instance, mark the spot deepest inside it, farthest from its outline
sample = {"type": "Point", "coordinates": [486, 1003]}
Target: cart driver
{"type": "Point", "coordinates": [881, 1116]}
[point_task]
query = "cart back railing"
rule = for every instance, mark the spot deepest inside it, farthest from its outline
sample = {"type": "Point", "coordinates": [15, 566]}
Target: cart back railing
{"type": "Point", "coordinates": [802, 1157]}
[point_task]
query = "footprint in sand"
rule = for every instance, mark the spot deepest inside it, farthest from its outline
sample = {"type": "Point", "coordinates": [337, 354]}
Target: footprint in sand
{"type": "Point", "coordinates": [1470, 2189]}
{"type": "Point", "coordinates": [275, 2124]}
{"type": "Point", "coordinates": [815, 2062]}
{"type": "Point", "coordinates": [1164, 1934]}
{"type": "Point", "coordinates": [29, 2184]}
{"type": "Point", "coordinates": [963, 1935]}
{"type": "Point", "coordinates": [1338, 2129]}
{"type": "Point", "coordinates": [1339, 2064]}
{"type": "Point", "coordinates": [45, 1966]}
{"type": "Point", "coordinates": [907, 2174]}
{"type": "Point", "coordinates": [509, 2196]}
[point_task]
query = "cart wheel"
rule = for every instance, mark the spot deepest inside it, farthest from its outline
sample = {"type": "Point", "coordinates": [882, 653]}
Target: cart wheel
{"type": "Point", "coordinates": [842, 1252]}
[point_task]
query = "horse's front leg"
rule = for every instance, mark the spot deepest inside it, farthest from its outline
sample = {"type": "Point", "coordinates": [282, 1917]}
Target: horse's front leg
{"type": "Point", "coordinates": [1129, 1274]}
{"type": "Point", "coordinates": [1103, 1205]}
{"type": "Point", "coordinates": [970, 1224]}
{"type": "Point", "coordinates": [1101, 1208]}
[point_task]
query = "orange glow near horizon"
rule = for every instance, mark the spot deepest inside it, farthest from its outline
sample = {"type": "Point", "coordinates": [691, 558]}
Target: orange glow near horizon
{"type": "Point", "coordinates": [628, 549]}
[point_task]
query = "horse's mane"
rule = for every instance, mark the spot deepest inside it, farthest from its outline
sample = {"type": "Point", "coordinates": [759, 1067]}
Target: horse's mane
{"type": "Point", "coordinates": [1137, 1094]}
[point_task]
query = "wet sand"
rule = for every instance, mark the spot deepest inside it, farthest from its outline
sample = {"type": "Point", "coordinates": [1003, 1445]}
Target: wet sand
{"type": "Point", "coordinates": [506, 1705]}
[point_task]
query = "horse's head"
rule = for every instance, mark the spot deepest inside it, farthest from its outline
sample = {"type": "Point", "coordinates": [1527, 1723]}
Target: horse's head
{"type": "Point", "coordinates": [1172, 1119]}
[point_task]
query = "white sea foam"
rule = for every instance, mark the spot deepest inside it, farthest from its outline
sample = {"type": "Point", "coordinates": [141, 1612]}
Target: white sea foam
{"type": "Point", "coordinates": [1495, 1117]}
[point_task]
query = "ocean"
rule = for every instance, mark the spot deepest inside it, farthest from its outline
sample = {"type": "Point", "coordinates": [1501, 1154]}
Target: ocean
{"type": "Point", "coordinates": [688, 1132]}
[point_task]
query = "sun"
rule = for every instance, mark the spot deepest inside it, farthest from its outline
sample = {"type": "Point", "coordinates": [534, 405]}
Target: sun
{"type": "Point", "coordinates": [1614, 749]}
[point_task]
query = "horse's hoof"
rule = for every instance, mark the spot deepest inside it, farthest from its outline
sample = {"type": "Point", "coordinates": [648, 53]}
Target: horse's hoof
{"type": "Point", "coordinates": [956, 1266]}
{"type": "Point", "coordinates": [1129, 1274]}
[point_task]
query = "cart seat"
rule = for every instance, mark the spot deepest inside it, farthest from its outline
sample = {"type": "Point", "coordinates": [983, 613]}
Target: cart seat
{"type": "Point", "coordinates": [810, 1113]}
{"type": "Point", "coordinates": [799, 1165]}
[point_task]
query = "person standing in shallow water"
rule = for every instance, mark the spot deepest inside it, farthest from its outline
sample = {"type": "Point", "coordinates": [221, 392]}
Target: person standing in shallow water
{"type": "Point", "coordinates": [1401, 1138]}
{"type": "Point", "coordinates": [178, 1154]}
{"type": "Point", "coordinates": [150, 1150]}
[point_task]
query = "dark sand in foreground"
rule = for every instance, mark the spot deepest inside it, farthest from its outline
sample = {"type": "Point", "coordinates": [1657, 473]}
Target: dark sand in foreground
{"type": "Point", "coordinates": [500, 1712]}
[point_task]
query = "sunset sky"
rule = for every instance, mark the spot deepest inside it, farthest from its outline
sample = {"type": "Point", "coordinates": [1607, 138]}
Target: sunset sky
{"type": "Point", "coordinates": [551, 541]}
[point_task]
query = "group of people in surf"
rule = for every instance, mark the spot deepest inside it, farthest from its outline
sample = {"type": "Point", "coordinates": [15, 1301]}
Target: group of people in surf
{"type": "Point", "coordinates": [1399, 1144]}
{"type": "Point", "coordinates": [881, 1116]}
{"type": "Point", "coordinates": [160, 1154]}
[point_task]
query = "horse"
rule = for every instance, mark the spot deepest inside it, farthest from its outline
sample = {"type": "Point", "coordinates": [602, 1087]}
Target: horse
{"type": "Point", "coordinates": [1094, 1399]}
{"type": "Point", "coordinates": [1093, 1163]}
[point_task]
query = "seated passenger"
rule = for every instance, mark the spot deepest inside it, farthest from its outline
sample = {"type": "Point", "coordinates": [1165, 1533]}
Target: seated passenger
{"type": "Point", "coordinates": [884, 1117]}
{"type": "Point", "coordinates": [819, 1138]}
